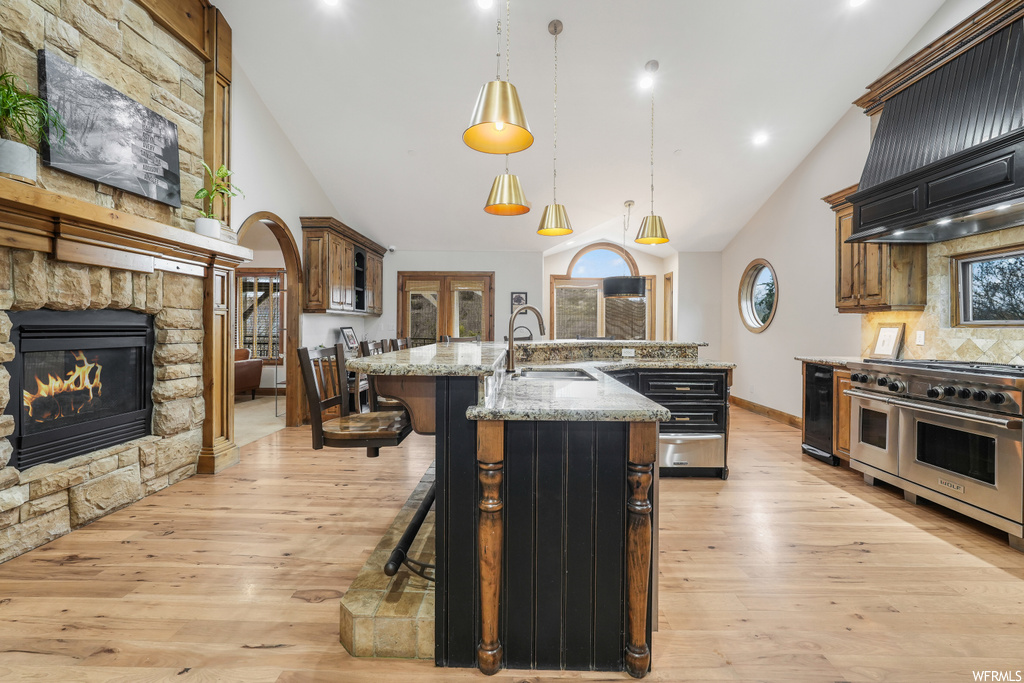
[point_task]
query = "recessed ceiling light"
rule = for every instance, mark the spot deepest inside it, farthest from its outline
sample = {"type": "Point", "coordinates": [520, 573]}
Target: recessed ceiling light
{"type": "Point", "coordinates": [332, 3]}
{"type": "Point", "coordinates": [857, 3]}
{"type": "Point", "coordinates": [484, 4]}
{"type": "Point", "coordinates": [945, 221]}
{"type": "Point", "coordinates": [760, 138]}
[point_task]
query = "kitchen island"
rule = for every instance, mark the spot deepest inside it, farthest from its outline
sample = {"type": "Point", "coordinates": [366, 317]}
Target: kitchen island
{"type": "Point", "coordinates": [544, 499]}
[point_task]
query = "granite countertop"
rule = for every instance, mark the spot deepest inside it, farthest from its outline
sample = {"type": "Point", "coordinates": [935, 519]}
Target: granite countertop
{"type": "Point", "coordinates": [566, 400]}
{"type": "Point", "coordinates": [834, 361]}
{"type": "Point", "coordinates": [463, 359]}
{"type": "Point", "coordinates": [510, 397]}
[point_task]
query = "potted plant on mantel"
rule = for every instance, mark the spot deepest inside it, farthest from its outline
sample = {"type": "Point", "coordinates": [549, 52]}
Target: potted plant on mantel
{"type": "Point", "coordinates": [220, 186]}
{"type": "Point", "coordinates": [24, 118]}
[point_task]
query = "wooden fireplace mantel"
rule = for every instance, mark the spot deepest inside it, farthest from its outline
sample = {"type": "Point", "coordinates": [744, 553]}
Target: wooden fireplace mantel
{"type": "Point", "coordinates": [73, 230]}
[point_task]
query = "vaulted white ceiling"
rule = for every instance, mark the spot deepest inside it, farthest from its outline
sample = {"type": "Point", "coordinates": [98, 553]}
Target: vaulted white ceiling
{"type": "Point", "coordinates": [375, 95]}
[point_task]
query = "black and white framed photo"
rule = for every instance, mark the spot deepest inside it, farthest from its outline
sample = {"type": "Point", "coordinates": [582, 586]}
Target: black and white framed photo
{"type": "Point", "coordinates": [348, 335]}
{"type": "Point", "coordinates": [111, 138]}
{"type": "Point", "coordinates": [518, 299]}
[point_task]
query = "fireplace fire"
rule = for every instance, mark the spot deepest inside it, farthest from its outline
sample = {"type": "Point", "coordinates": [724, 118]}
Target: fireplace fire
{"type": "Point", "coordinates": [56, 398]}
{"type": "Point", "coordinates": [85, 379]}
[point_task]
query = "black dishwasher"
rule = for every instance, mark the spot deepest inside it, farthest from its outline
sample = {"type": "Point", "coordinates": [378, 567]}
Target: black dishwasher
{"type": "Point", "coordinates": [818, 413]}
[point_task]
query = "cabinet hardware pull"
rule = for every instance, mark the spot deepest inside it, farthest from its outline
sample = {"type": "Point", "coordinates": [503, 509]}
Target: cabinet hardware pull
{"type": "Point", "coordinates": [682, 419]}
{"type": "Point", "coordinates": [682, 388]}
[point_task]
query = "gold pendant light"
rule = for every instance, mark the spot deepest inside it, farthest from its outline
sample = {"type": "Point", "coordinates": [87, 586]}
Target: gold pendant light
{"type": "Point", "coordinates": [554, 221]}
{"type": "Point", "coordinates": [507, 197]}
{"type": "Point", "coordinates": [652, 228]}
{"type": "Point", "coordinates": [498, 124]}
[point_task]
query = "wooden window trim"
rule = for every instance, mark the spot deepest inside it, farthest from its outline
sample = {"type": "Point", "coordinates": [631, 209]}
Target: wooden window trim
{"type": "Point", "coordinates": [956, 262]}
{"type": "Point", "coordinates": [263, 272]}
{"type": "Point", "coordinates": [618, 249]}
{"type": "Point", "coordinates": [746, 284]}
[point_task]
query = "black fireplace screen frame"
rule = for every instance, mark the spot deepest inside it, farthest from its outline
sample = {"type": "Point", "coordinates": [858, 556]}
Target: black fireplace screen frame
{"type": "Point", "coordinates": [46, 330]}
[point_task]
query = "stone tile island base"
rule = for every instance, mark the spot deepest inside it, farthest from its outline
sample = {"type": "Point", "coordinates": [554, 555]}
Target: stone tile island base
{"type": "Point", "coordinates": [393, 616]}
{"type": "Point", "coordinates": [40, 503]}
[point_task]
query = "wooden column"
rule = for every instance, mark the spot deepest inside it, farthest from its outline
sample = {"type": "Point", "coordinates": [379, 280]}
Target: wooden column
{"type": "Point", "coordinates": [217, 114]}
{"type": "Point", "coordinates": [643, 450]}
{"type": "Point", "coordinates": [490, 449]}
{"type": "Point", "coordinates": [219, 450]}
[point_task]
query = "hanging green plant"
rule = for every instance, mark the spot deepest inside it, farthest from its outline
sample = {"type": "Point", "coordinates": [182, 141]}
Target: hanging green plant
{"type": "Point", "coordinates": [220, 186]}
{"type": "Point", "coordinates": [27, 118]}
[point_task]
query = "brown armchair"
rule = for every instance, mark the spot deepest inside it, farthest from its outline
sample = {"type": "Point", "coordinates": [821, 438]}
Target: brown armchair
{"type": "Point", "coordinates": [248, 372]}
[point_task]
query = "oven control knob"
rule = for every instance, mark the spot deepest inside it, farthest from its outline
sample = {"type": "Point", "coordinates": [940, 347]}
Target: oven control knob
{"type": "Point", "coordinates": [963, 392]}
{"type": "Point", "coordinates": [882, 381]}
{"type": "Point", "coordinates": [855, 377]}
{"type": "Point", "coordinates": [980, 395]}
{"type": "Point", "coordinates": [949, 391]}
{"type": "Point", "coordinates": [936, 392]}
{"type": "Point", "coordinates": [997, 398]}
{"type": "Point", "coordinates": [896, 385]}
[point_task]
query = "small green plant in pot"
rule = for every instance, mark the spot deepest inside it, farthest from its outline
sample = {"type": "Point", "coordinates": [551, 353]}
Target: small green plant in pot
{"type": "Point", "coordinates": [220, 186]}
{"type": "Point", "coordinates": [25, 121]}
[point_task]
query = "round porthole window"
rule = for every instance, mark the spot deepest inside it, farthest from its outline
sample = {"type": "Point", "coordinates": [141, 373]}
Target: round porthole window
{"type": "Point", "coordinates": [759, 295]}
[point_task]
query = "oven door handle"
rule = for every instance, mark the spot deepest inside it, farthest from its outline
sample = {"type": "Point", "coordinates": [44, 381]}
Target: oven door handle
{"type": "Point", "coordinates": [868, 396]}
{"type": "Point", "coordinates": [1005, 423]}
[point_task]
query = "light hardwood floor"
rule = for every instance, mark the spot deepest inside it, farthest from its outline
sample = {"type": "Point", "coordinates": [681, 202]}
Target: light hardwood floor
{"type": "Point", "coordinates": [789, 571]}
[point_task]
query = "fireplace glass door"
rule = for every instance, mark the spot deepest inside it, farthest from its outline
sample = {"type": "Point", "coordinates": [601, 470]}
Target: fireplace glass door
{"type": "Point", "coordinates": [80, 381]}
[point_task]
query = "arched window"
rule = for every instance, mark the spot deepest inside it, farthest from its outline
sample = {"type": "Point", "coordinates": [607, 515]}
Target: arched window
{"type": "Point", "coordinates": [578, 306]}
{"type": "Point", "coordinates": [602, 259]}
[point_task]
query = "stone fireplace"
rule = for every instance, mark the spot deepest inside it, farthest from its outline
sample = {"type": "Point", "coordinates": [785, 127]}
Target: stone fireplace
{"type": "Point", "coordinates": [153, 316]}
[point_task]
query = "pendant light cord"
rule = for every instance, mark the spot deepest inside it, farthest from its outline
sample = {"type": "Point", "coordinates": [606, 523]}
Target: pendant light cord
{"type": "Point", "coordinates": [554, 156]}
{"type": "Point", "coordinates": [652, 150]}
{"type": "Point", "coordinates": [508, 33]}
{"type": "Point", "coordinates": [497, 50]}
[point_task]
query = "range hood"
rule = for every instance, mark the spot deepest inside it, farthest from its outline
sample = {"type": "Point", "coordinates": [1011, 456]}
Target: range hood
{"type": "Point", "coordinates": [947, 159]}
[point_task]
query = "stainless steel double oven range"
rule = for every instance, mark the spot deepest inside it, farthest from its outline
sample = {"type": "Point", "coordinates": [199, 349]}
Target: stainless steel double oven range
{"type": "Point", "coordinates": [946, 431]}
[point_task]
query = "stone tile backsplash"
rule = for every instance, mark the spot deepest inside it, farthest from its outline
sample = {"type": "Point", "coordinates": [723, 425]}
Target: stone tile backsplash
{"type": "Point", "coordinates": [942, 340]}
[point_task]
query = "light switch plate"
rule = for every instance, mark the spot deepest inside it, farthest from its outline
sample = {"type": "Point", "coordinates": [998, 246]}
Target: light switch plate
{"type": "Point", "coordinates": [628, 353]}
{"type": "Point", "coordinates": [920, 338]}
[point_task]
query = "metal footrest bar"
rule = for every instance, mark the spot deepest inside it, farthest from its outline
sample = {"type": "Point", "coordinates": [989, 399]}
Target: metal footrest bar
{"type": "Point", "coordinates": [399, 555]}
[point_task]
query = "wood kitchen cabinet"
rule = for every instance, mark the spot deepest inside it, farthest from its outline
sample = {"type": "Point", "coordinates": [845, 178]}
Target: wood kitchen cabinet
{"type": "Point", "coordinates": [330, 251]}
{"type": "Point", "coordinates": [875, 277]}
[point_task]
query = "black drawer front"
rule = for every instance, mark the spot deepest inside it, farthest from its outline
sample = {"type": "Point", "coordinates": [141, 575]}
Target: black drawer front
{"type": "Point", "coordinates": [689, 386]}
{"type": "Point", "coordinates": [688, 417]}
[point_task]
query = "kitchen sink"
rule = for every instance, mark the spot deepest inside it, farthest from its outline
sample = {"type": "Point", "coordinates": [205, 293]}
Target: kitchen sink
{"type": "Point", "coordinates": [555, 373]}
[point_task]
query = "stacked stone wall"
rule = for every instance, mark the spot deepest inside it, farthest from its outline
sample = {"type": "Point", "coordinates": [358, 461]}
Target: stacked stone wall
{"type": "Point", "coordinates": [49, 500]}
{"type": "Point", "coordinates": [118, 42]}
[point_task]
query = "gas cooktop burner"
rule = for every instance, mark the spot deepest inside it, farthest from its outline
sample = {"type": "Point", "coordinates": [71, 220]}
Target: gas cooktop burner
{"type": "Point", "coordinates": [955, 366]}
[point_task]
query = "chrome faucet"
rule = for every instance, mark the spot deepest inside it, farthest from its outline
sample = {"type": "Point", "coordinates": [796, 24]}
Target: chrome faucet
{"type": "Point", "coordinates": [510, 360]}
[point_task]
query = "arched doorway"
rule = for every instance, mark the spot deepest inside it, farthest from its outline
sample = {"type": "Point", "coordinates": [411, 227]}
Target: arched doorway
{"type": "Point", "coordinates": [293, 307]}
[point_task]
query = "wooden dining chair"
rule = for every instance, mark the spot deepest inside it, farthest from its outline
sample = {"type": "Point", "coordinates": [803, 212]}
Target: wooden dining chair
{"type": "Point", "coordinates": [399, 344]}
{"type": "Point", "coordinates": [323, 372]}
{"type": "Point", "coordinates": [374, 348]}
{"type": "Point", "coordinates": [447, 338]}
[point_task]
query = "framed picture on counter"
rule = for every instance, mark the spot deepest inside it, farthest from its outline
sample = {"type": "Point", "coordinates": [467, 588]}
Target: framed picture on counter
{"type": "Point", "coordinates": [888, 340]}
{"type": "Point", "coordinates": [518, 299]}
{"type": "Point", "coordinates": [348, 335]}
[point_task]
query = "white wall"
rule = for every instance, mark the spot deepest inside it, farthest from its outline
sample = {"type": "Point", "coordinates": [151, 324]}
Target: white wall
{"type": "Point", "coordinates": [698, 287]}
{"type": "Point", "coordinates": [514, 271]}
{"type": "Point", "coordinates": [276, 179]}
{"type": "Point", "coordinates": [795, 231]}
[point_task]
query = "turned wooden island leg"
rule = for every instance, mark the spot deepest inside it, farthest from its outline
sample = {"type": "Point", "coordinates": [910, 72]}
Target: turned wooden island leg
{"type": "Point", "coordinates": [490, 453]}
{"type": "Point", "coordinates": [643, 449]}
